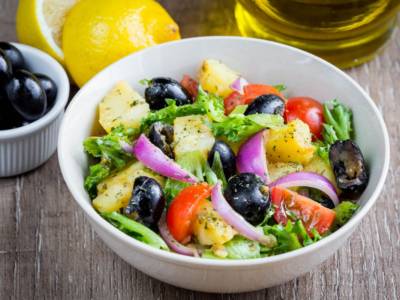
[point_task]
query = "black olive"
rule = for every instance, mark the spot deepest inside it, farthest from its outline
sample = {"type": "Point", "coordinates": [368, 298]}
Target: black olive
{"type": "Point", "coordinates": [147, 202]}
{"type": "Point", "coordinates": [14, 55]}
{"type": "Point", "coordinates": [349, 167]}
{"type": "Point", "coordinates": [227, 156]}
{"type": "Point", "coordinates": [5, 69]}
{"type": "Point", "coordinates": [162, 136]}
{"type": "Point", "coordinates": [26, 95]}
{"type": "Point", "coordinates": [266, 104]}
{"type": "Point", "coordinates": [49, 87]}
{"type": "Point", "coordinates": [162, 88]}
{"type": "Point", "coordinates": [9, 118]}
{"type": "Point", "coordinates": [248, 196]}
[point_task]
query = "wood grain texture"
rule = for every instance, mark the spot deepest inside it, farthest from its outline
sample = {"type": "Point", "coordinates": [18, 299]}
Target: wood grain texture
{"type": "Point", "coordinates": [48, 250]}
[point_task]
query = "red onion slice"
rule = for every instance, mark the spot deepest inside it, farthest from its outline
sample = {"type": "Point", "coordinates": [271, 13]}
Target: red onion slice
{"type": "Point", "coordinates": [238, 84]}
{"type": "Point", "coordinates": [153, 158]}
{"type": "Point", "coordinates": [308, 179]}
{"type": "Point", "coordinates": [251, 157]}
{"type": "Point", "coordinates": [237, 221]}
{"type": "Point", "coordinates": [172, 243]}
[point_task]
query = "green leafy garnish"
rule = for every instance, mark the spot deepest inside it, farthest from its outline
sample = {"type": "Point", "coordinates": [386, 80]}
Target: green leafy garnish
{"type": "Point", "coordinates": [241, 248]}
{"type": "Point", "coordinates": [196, 164]}
{"type": "Point", "coordinates": [280, 87]}
{"type": "Point", "coordinates": [344, 211]}
{"type": "Point", "coordinates": [237, 248]}
{"type": "Point", "coordinates": [108, 149]}
{"type": "Point", "coordinates": [289, 237]}
{"type": "Point", "coordinates": [97, 173]}
{"type": "Point", "coordinates": [145, 82]}
{"type": "Point", "coordinates": [238, 110]}
{"type": "Point", "coordinates": [205, 104]}
{"type": "Point", "coordinates": [337, 126]}
{"type": "Point", "coordinates": [135, 229]}
{"type": "Point", "coordinates": [238, 126]}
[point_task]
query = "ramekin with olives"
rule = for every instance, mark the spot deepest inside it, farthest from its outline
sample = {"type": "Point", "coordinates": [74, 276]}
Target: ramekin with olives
{"type": "Point", "coordinates": [25, 96]}
{"type": "Point", "coordinates": [34, 90]}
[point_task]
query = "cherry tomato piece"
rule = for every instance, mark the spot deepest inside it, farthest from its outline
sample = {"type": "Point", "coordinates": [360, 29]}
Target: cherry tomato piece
{"type": "Point", "coordinates": [291, 205]}
{"type": "Point", "coordinates": [191, 85]}
{"type": "Point", "coordinates": [252, 91]}
{"type": "Point", "coordinates": [182, 211]}
{"type": "Point", "coordinates": [233, 100]}
{"type": "Point", "coordinates": [307, 109]}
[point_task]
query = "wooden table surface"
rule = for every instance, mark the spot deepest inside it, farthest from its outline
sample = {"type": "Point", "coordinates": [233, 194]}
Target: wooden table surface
{"type": "Point", "coordinates": [49, 251]}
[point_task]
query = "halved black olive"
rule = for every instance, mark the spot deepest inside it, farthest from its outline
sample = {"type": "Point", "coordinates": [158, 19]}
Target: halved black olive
{"type": "Point", "coordinates": [349, 167]}
{"type": "Point", "coordinates": [5, 69]}
{"type": "Point", "coordinates": [147, 202]}
{"type": "Point", "coordinates": [266, 104]}
{"type": "Point", "coordinates": [26, 95]}
{"type": "Point", "coordinates": [249, 196]}
{"type": "Point", "coordinates": [227, 157]}
{"type": "Point", "coordinates": [162, 88]}
{"type": "Point", "coordinates": [14, 55]}
{"type": "Point", "coordinates": [162, 136]}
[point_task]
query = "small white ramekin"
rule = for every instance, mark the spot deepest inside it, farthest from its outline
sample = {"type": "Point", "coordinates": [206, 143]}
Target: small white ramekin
{"type": "Point", "coordinates": [25, 148]}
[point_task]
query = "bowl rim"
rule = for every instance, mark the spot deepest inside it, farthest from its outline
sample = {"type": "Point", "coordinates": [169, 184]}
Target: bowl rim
{"type": "Point", "coordinates": [224, 263]}
{"type": "Point", "coordinates": [60, 103]}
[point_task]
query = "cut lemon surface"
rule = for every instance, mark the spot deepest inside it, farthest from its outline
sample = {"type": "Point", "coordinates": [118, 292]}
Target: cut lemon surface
{"type": "Point", "coordinates": [40, 23]}
{"type": "Point", "coordinates": [96, 33]}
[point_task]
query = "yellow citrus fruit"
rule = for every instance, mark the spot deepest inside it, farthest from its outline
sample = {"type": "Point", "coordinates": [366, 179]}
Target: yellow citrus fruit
{"type": "Point", "coordinates": [39, 23]}
{"type": "Point", "coordinates": [98, 32]}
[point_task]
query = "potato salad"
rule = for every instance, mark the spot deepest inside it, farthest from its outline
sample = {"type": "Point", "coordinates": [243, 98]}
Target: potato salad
{"type": "Point", "coordinates": [217, 167]}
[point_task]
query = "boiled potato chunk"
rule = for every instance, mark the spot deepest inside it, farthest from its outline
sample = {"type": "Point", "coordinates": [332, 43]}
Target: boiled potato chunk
{"type": "Point", "coordinates": [209, 228]}
{"type": "Point", "coordinates": [192, 134]}
{"type": "Point", "coordinates": [216, 78]}
{"type": "Point", "coordinates": [114, 192]}
{"type": "Point", "coordinates": [290, 143]}
{"type": "Point", "coordinates": [322, 167]}
{"type": "Point", "coordinates": [122, 106]}
{"type": "Point", "coordinates": [279, 169]}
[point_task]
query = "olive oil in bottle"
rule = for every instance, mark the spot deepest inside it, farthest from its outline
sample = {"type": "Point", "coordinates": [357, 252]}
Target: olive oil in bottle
{"type": "Point", "coordinates": [345, 32]}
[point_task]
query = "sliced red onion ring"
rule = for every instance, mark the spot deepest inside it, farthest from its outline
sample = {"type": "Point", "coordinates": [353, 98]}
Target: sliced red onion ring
{"type": "Point", "coordinates": [238, 84]}
{"type": "Point", "coordinates": [153, 158]}
{"type": "Point", "coordinates": [251, 157]}
{"type": "Point", "coordinates": [172, 243]}
{"type": "Point", "coordinates": [237, 221]}
{"type": "Point", "coordinates": [308, 179]}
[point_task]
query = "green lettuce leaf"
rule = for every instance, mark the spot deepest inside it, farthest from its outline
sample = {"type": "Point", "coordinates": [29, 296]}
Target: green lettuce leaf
{"type": "Point", "coordinates": [241, 248]}
{"type": "Point", "coordinates": [195, 163]}
{"type": "Point", "coordinates": [337, 126]}
{"type": "Point", "coordinates": [238, 127]}
{"type": "Point", "coordinates": [344, 211]}
{"type": "Point", "coordinates": [205, 104]}
{"type": "Point", "coordinates": [110, 154]}
{"type": "Point", "coordinates": [136, 230]}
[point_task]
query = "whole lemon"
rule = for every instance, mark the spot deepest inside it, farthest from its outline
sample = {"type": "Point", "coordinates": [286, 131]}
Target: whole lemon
{"type": "Point", "coordinates": [98, 32]}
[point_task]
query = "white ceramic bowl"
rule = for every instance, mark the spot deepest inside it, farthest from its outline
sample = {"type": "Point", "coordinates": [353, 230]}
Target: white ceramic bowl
{"type": "Point", "coordinates": [258, 61]}
{"type": "Point", "coordinates": [25, 148]}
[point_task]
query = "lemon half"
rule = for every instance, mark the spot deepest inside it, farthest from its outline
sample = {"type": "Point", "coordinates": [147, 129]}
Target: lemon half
{"type": "Point", "coordinates": [40, 22]}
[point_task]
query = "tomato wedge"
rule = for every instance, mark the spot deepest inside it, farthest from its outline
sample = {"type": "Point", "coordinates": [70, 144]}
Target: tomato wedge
{"type": "Point", "coordinates": [307, 109]}
{"type": "Point", "coordinates": [182, 211]}
{"type": "Point", "coordinates": [291, 205]}
{"type": "Point", "coordinates": [191, 85]}
{"type": "Point", "coordinates": [250, 92]}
